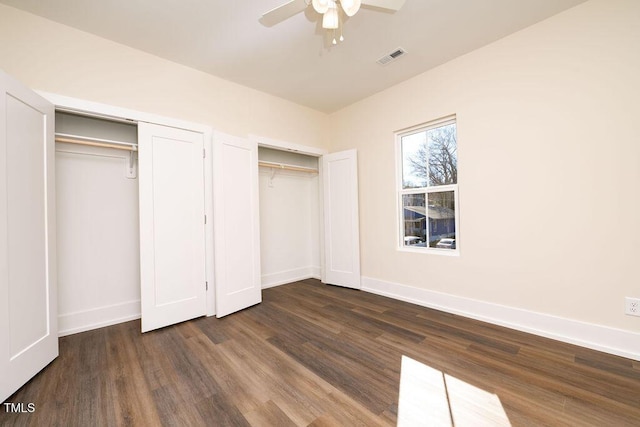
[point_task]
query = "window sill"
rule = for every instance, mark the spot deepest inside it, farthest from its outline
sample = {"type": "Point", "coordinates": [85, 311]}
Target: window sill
{"type": "Point", "coordinates": [430, 251]}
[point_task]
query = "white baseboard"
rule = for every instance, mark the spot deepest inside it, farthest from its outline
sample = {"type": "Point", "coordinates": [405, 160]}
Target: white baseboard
{"type": "Point", "coordinates": [597, 337]}
{"type": "Point", "coordinates": [288, 276]}
{"type": "Point", "coordinates": [80, 321]}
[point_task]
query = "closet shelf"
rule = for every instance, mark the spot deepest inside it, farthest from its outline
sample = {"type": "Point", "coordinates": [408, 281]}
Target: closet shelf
{"type": "Point", "coordinates": [284, 166]}
{"type": "Point", "coordinates": [95, 142]}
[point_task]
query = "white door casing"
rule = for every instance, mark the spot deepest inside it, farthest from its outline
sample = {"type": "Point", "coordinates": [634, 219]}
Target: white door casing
{"type": "Point", "coordinates": [341, 221]}
{"type": "Point", "coordinates": [236, 223]}
{"type": "Point", "coordinates": [172, 225]}
{"type": "Point", "coordinates": [28, 298]}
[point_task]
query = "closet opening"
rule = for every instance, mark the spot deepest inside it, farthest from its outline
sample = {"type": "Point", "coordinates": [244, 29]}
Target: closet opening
{"type": "Point", "coordinates": [98, 234]}
{"type": "Point", "coordinates": [289, 193]}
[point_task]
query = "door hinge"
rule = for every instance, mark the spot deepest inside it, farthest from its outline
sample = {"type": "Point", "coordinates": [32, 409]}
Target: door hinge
{"type": "Point", "coordinates": [205, 219]}
{"type": "Point", "coordinates": [206, 286]}
{"type": "Point", "coordinates": [204, 153]}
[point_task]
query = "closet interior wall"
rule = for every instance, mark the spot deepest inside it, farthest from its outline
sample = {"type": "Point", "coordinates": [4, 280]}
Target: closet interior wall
{"type": "Point", "coordinates": [289, 218]}
{"type": "Point", "coordinates": [97, 226]}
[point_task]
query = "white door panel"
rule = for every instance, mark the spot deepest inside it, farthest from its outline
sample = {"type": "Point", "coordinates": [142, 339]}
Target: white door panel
{"type": "Point", "coordinates": [236, 224]}
{"type": "Point", "coordinates": [341, 228]}
{"type": "Point", "coordinates": [172, 228]}
{"type": "Point", "coordinates": [28, 309]}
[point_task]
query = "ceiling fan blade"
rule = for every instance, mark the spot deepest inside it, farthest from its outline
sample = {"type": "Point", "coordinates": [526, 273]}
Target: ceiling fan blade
{"type": "Point", "coordinates": [280, 13]}
{"type": "Point", "coordinates": [384, 4]}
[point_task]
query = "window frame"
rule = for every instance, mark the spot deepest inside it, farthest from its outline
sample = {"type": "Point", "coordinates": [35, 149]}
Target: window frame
{"type": "Point", "coordinates": [400, 191]}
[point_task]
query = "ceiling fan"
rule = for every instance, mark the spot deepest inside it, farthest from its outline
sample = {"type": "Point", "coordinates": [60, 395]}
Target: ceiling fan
{"type": "Point", "coordinates": [329, 9]}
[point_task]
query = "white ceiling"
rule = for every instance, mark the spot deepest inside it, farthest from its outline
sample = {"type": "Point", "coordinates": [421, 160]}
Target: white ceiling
{"type": "Point", "coordinates": [294, 59]}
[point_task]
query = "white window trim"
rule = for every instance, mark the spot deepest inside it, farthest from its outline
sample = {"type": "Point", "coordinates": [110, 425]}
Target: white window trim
{"type": "Point", "coordinates": [400, 246]}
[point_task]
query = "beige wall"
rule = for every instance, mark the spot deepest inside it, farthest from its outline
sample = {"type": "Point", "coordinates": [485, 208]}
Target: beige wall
{"type": "Point", "coordinates": [549, 167]}
{"type": "Point", "coordinates": [55, 58]}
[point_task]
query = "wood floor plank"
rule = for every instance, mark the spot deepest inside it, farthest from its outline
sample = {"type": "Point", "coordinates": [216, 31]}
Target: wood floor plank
{"type": "Point", "coordinates": [244, 392]}
{"type": "Point", "coordinates": [129, 393]}
{"type": "Point", "coordinates": [313, 314]}
{"type": "Point", "coordinates": [297, 393]}
{"type": "Point", "coordinates": [269, 414]}
{"type": "Point", "coordinates": [320, 355]}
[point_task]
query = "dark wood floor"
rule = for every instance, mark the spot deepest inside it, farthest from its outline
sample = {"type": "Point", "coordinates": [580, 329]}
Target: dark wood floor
{"type": "Point", "coordinates": [320, 355]}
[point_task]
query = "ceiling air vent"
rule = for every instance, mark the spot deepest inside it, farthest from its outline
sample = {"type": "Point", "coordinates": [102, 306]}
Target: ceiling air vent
{"type": "Point", "coordinates": [395, 54]}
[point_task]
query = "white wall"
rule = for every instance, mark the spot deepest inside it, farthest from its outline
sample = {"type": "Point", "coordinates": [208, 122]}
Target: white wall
{"type": "Point", "coordinates": [549, 168]}
{"type": "Point", "coordinates": [289, 220]}
{"type": "Point", "coordinates": [98, 238]}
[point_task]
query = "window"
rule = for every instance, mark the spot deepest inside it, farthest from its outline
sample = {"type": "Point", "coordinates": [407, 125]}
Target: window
{"type": "Point", "coordinates": [428, 187]}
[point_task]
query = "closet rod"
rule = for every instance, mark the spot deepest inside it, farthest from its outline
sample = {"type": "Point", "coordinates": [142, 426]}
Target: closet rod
{"type": "Point", "coordinates": [95, 142]}
{"type": "Point", "coordinates": [285, 166]}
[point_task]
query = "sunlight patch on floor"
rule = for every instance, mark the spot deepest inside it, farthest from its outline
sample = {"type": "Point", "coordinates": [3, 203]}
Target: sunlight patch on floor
{"type": "Point", "coordinates": [429, 397]}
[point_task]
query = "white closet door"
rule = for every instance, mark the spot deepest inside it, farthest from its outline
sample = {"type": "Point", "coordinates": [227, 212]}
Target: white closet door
{"type": "Point", "coordinates": [341, 229]}
{"type": "Point", "coordinates": [172, 225]}
{"type": "Point", "coordinates": [236, 224]}
{"type": "Point", "coordinates": [28, 309]}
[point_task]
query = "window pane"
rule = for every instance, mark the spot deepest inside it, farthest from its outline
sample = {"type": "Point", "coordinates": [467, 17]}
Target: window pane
{"type": "Point", "coordinates": [413, 213]}
{"type": "Point", "coordinates": [442, 220]}
{"type": "Point", "coordinates": [414, 160]}
{"type": "Point", "coordinates": [430, 157]}
{"type": "Point", "coordinates": [443, 155]}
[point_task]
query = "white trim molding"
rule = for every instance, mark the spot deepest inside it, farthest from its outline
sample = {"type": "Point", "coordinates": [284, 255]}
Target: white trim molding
{"type": "Point", "coordinates": [86, 320]}
{"type": "Point", "coordinates": [290, 276]}
{"type": "Point", "coordinates": [597, 337]}
{"type": "Point", "coordinates": [263, 141]}
{"type": "Point", "coordinates": [104, 110]}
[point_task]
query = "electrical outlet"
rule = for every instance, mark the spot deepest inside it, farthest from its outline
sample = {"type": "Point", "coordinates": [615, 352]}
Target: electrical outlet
{"type": "Point", "coordinates": [632, 306]}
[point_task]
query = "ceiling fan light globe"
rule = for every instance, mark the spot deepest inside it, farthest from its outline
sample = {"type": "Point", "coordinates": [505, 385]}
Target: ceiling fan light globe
{"type": "Point", "coordinates": [350, 7]}
{"type": "Point", "coordinates": [320, 6]}
{"type": "Point", "coordinates": [330, 18]}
